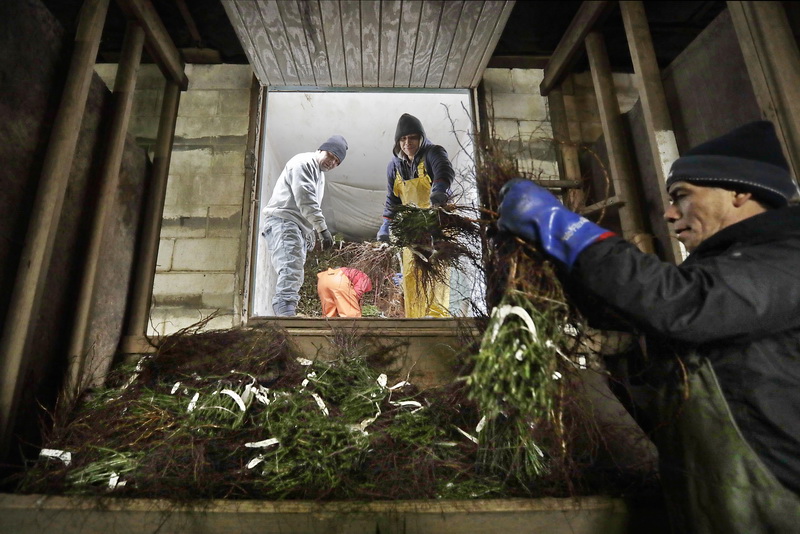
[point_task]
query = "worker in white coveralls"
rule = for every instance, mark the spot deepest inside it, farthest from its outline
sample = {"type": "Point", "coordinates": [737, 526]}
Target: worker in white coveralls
{"type": "Point", "coordinates": [293, 218]}
{"type": "Point", "coordinates": [419, 174]}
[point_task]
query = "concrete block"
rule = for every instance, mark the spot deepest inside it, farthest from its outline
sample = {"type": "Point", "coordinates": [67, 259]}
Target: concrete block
{"type": "Point", "coordinates": [224, 221]}
{"type": "Point", "coordinates": [164, 258]}
{"type": "Point", "coordinates": [107, 72]}
{"type": "Point", "coordinates": [175, 190]}
{"type": "Point", "coordinates": [234, 102]}
{"type": "Point", "coordinates": [168, 320]}
{"type": "Point", "coordinates": [211, 254]}
{"type": "Point", "coordinates": [147, 103]}
{"type": "Point", "coordinates": [190, 161]}
{"type": "Point", "coordinates": [184, 221]}
{"type": "Point", "coordinates": [506, 129]}
{"type": "Point", "coordinates": [535, 129]}
{"type": "Point", "coordinates": [514, 106]}
{"type": "Point", "coordinates": [186, 285]}
{"type": "Point", "coordinates": [582, 107]}
{"type": "Point", "coordinates": [228, 160]}
{"type": "Point", "coordinates": [219, 76]}
{"type": "Point", "coordinates": [497, 81]}
{"type": "Point", "coordinates": [199, 104]}
{"type": "Point", "coordinates": [190, 128]}
{"type": "Point", "coordinates": [526, 80]}
{"type": "Point", "coordinates": [219, 189]}
{"type": "Point", "coordinates": [143, 128]}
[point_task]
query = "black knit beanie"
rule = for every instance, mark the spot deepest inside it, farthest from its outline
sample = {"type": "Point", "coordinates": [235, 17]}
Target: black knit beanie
{"type": "Point", "coordinates": [747, 159]}
{"type": "Point", "coordinates": [407, 125]}
{"type": "Point", "coordinates": [336, 145]}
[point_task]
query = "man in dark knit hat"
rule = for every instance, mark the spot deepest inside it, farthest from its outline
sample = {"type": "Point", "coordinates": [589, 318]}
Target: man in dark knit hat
{"type": "Point", "coordinates": [419, 174]}
{"type": "Point", "coordinates": [293, 218]}
{"type": "Point", "coordinates": [722, 329]}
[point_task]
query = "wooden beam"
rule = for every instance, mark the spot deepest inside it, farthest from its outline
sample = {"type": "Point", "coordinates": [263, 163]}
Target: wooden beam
{"type": "Point", "coordinates": [571, 46]}
{"type": "Point", "coordinates": [773, 63]}
{"type": "Point", "coordinates": [657, 121]}
{"type": "Point", "coordinates": [159, 43]}
{"type": "Point", "coordinates": [26, 296]}
{"type": "Point", "coordinates": [147, 254]}
{"type": "Point", "coordinates": [610, 202]}
{"type": "Point", "coordinates": [124, 87]}
{"type": "Point", "coordinates": [616, 143]}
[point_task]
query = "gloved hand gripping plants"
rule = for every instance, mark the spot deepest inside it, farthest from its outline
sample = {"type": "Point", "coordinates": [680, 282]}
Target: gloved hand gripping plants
{"type": "Point", "coordinates": [525, 370]}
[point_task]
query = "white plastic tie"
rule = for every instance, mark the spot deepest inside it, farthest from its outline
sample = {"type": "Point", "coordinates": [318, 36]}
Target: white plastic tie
{"type": "Point", "coordinates": [264, 443]}
{"type": "Point", "coordinates": [64, 456]}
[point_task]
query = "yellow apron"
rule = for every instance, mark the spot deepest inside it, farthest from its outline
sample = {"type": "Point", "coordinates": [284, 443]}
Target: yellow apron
{"type": "Point", "coordinates": [417, 192]}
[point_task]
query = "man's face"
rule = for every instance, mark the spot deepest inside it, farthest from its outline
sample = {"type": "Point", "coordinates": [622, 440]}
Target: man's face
{"type": "Point", "coordinates": [327, 161]}
{"type": "Point", "coordinates": [409, 144]}
{"type": "Point", "coordinates": [699, 212]}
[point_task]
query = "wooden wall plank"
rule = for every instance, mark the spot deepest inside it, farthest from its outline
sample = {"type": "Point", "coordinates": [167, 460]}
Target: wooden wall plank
{"type": "Point", "coordinates": [332, 27]}
{"type": "Point", "coordinates": [273, 27]}
{"type": "Point", "coordinates": [370, 41]}
{"type": "Point", "coordinates": [484, 29]}
{"type": "Point", "coordinates": [501, 18]}
{"type": "Point", "coordinates": [315, 37]}
{"type": "Point", "coordinates": [294, 27]}
{"type": "Point", "coordinates": [407, 42]}
{"type": "Point", "coordinates": [351, 35]}
{"type": "Point", "coordinates": [428, 30]}
{"type": "Point", "coordinates": [459, 50]}
{"type": "Point", "coordinates": [246, 34]}
{"type": "Point", "coordinates": [444, 41]}
{"type": "Point", "coordinates": [390, 33]}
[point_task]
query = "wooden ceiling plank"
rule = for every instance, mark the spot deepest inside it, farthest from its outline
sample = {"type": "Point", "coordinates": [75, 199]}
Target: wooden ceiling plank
{"type": "Point", "coordinates": [276, 34]}
{"type": "Point", "coordinates": [351, 35]}
{"type": "Point", "coordinates": [484, 30]}
{"type": "Point", "coordinates": [332, 26]}
{"type": "Point", "coordinates": [460, 49]}
{"type": "Point", "coordinates": [317, 44]}
{"type": "Point", "coordinates": [488, 48]}
{"type": "Point", "coordinates": [428, 29]}
{"type": "Point", "coordinates": [294, 24]}
{"type": "Point", "coordinates": [159, 43]}
{"type": "Point", "coordinates": [390, 33]}
{"type": "Point", "coordinates": [444, 41]}
{"type": "Point", "coordinates": [246, 37]}
{"type": "Point", "coordinates": [370, 41]}
{"type": "Point", "coordinates": [570, 47]}
{"type": "Point", "coordinates": [406, 45]}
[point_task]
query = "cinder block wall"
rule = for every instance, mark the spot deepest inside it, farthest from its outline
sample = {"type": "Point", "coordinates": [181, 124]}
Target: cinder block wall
{"type": "Point", "coordinates": [200, 268]}
{"type": "Point", "coordinates": [521, 120]}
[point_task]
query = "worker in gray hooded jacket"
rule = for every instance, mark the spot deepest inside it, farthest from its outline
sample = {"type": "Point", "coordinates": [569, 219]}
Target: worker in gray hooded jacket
{"type": "Point", "coordinates": [293, 216]}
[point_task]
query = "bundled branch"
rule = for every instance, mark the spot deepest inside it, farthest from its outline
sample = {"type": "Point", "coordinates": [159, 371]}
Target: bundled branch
{"type": "Point", "coordinates": [439, 239]}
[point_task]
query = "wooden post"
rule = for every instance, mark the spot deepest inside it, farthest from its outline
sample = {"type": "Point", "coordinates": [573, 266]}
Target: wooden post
{"type": "Point", "coordinates": [124, 87]}
{"type": "Point", "coordinates": [614, 133]}
{"type": "Point", "coordinates": [773, 62]}
{"type": "Point", "coordinates": [37, 251]}
{"type": "Point", "coordinates": [660, 135]}
{"type": "Point", "coordinates": [566, 150]}
{"type": "Point", "coordinates": [135, 340]}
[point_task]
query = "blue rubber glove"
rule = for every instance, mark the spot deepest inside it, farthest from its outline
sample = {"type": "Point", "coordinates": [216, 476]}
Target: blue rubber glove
{"type": "Point", "coordinates": [438, 199]}
{"type": "Point", "coordinates": [534, 214]}
{"type": "Point", "coordinates": [383, 233]}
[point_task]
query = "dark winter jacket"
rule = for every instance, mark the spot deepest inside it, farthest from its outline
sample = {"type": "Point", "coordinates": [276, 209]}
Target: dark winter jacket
{"type": "Point", "coordinates": [435, 163]}
{"type": "Point", "coordinates": [736, 302]}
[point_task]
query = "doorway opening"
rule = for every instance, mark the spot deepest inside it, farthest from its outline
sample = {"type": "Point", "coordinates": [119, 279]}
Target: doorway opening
{"type": "Point", "coordinates": [298, 121]}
